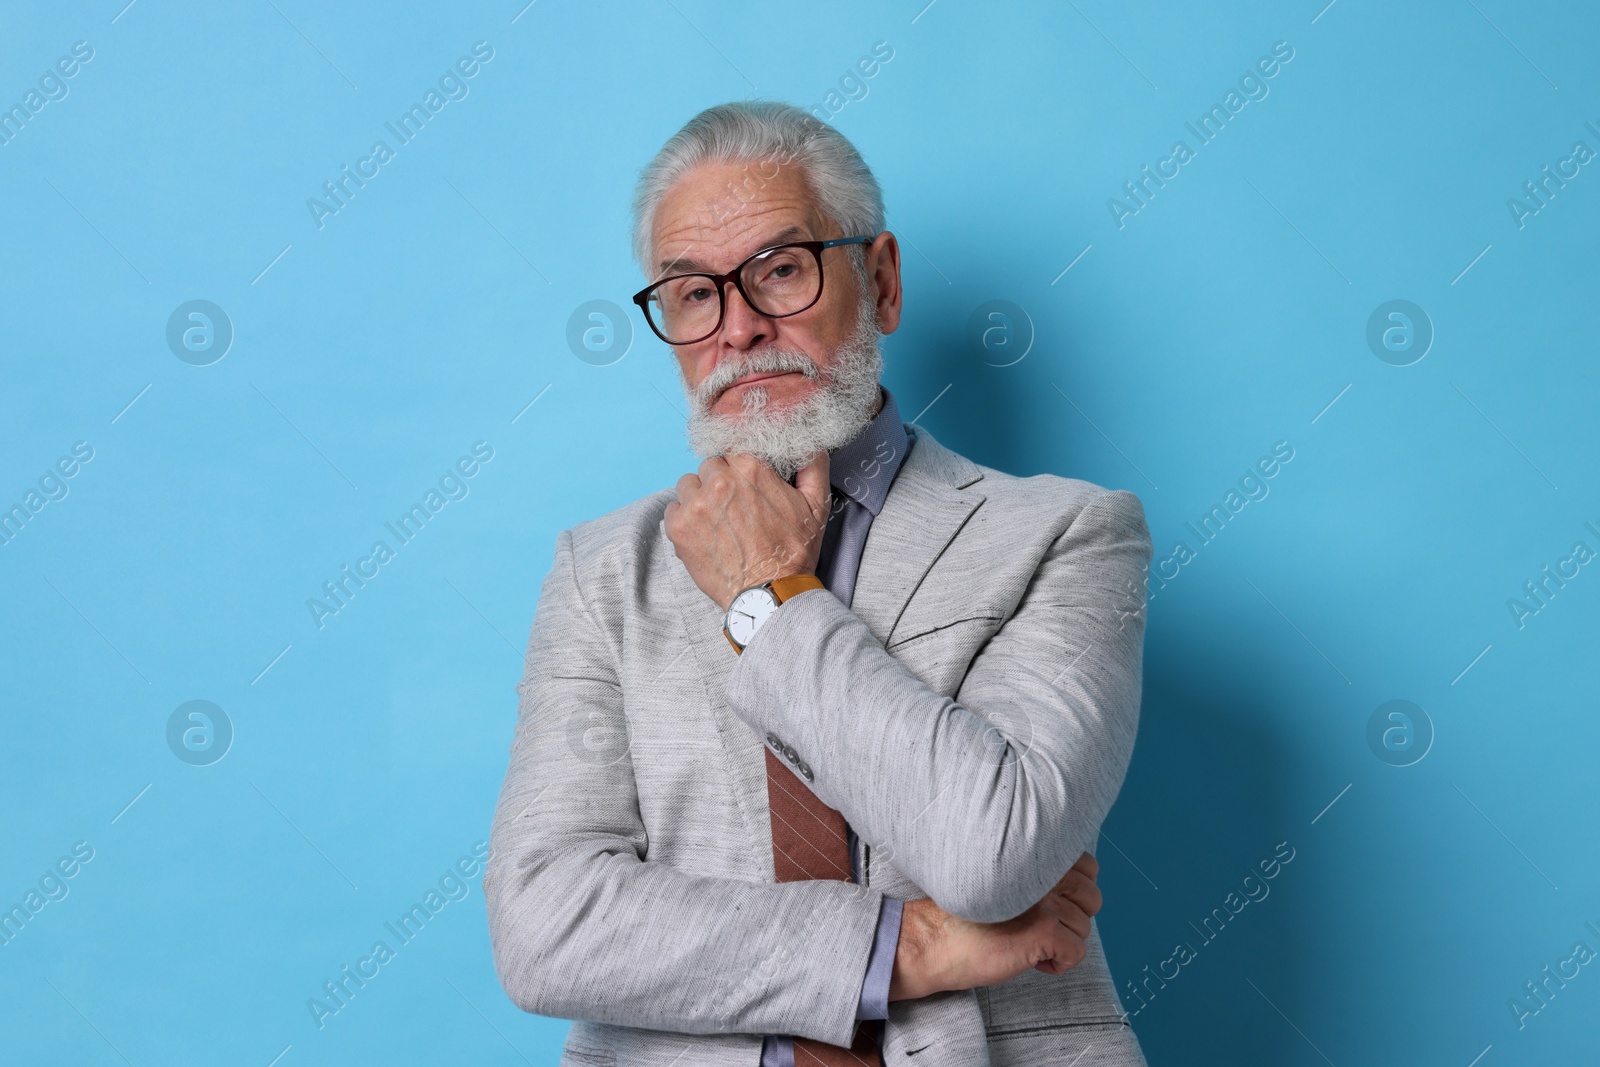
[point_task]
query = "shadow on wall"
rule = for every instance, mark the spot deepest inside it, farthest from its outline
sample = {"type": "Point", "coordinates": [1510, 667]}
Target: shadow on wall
{"type": "Point", "coordinates": [1199, 860]}
{"type": "Point", "coordinates": [1199, 870]}
{"type": "Point", "coordinates": [923, 358]}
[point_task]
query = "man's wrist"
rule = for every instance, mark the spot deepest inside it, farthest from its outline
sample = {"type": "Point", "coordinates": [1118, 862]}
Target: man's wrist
{"type": "Point", "coordinates": [752, 606]}
{"type": "Point", "coordinates": [917, 958]}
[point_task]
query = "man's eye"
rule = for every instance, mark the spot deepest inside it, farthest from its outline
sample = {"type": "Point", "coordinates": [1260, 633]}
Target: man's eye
{"type": "Point", "coordinates": [782, 270]}
{"type": "Point", "coordinates": [695, 296]}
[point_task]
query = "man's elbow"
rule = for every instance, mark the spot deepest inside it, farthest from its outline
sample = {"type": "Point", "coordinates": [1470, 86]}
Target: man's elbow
{"type": "Point", "coordinates": [518, 948]}
{"type": "Point", "coordinates": [521, 985]}
{"type": "Point", "coordinates": [1000, 888]}
{"type": "Point", "coordinates": [1002, 880]}
{"type": "Point", "coordinates": [519, 944]}
{"type": "Point", "coordinates": [985, 906]}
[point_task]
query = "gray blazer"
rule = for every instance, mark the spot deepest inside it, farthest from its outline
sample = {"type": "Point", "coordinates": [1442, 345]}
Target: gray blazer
{"type": "Point", "coordinates": [971, 715]}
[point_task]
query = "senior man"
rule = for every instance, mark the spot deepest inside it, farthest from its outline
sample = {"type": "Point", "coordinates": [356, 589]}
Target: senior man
{"type": "Point", "coordinates": [811, 750]}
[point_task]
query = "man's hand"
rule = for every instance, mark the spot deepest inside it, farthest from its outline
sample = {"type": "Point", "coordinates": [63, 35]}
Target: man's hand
{"type": "Point", "coordinates": [736, 523]}
{"type": "Point", "coordinates": [938, 951]}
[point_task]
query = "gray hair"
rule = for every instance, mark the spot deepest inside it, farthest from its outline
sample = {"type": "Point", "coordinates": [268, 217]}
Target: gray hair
{"type": "Point", "coordinates": [764, 133]}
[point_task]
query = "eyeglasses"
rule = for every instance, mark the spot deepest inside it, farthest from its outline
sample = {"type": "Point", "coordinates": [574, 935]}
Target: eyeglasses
{"type": "Point", "coordinates": [776, 282]}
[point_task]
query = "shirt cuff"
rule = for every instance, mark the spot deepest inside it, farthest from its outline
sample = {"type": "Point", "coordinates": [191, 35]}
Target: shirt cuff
{"type": "Point", "coordinates": [880, 964]}
{"type": "Point", "coordinates": [777, 1051]}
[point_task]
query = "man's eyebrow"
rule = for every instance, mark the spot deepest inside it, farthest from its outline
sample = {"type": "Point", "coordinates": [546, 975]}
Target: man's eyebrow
{"type": "Point", "coordinates": [690, 265]}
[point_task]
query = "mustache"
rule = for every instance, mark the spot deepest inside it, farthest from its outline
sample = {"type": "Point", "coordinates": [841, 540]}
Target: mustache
{"type": "Point", "coordinates": [767, 361]}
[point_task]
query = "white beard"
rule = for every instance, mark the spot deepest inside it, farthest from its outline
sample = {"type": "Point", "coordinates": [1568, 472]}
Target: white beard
{"type": "Point", "coordinates": [833, 415]}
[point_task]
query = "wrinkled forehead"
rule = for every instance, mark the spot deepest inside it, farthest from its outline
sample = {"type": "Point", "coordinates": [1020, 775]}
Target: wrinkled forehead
{"type": "Point", "coordinates": [717, 214]}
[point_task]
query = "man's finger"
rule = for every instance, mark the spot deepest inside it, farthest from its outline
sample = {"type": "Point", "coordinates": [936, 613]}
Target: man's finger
{"type": "Point", "coordinates": [1084, 893]}
{"type": "Point", "coordinates": [1065, 959]}
{"type": "Point", "coordinates": [1073, 918]}
{"type": "Point", "coordinates": [712, 465]}
{"type": "Point", "coordinates": [1088, 865]}
{"type": "Point", "coordinates": [749, 465]}
{"type": "Point", "coordinates": [812, 480]}
{"type": "Point", "coordinates": [1077, 886]}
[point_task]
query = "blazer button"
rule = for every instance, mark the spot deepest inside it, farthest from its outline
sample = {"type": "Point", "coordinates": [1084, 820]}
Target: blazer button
{"type": "Point", "coordinates": [772, 739]}
{"type": "Point", "coordinates": [790, 754]}
{"type": "Point", "coordinates": [805, 772]}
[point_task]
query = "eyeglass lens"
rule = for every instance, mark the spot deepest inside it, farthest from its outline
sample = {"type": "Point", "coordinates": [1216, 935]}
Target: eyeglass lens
{"type": "Point", "coordinates": [781, 281]}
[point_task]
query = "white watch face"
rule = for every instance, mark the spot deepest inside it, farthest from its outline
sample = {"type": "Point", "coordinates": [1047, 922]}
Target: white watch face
{"type": "Point", "coordinates": [747, 612]}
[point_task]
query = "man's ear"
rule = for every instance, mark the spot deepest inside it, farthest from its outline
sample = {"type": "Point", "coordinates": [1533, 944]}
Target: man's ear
{"type": "Point", "coordinates": [883, 269]}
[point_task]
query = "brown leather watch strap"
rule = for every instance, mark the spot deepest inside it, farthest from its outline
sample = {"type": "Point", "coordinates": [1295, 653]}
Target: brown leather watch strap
{"type": "Point", "coordinates": [794, 585]}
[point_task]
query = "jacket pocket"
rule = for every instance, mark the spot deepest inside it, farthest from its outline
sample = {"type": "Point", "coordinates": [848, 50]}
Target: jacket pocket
{"type": "Point", "coordinates": [1037, 1002]}
{"type": "Point", "coordinates": [1092, 1025]}
{"type": "Point", "coordinates": [983, 619]}
{"type": "Point", "coordinates": [940, 657]}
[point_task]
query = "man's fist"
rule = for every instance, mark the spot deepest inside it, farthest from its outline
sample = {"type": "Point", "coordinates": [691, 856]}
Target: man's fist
{"type": "Point", "coordinates": [736, 523]}
{"type": "Point", "coordinates": [938, 951]}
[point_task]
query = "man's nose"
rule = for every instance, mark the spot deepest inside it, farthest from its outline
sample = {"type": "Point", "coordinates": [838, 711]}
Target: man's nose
{"type": "Point", "coordinates": [743, 327]}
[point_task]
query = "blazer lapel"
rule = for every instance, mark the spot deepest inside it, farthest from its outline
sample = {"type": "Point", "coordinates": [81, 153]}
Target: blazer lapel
{"type": "Point", "coordinates": [927, 505]}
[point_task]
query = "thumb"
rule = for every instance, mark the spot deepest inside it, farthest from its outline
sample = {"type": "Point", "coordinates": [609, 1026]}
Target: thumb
{"type": "Point", "coordinates": [812, 481]}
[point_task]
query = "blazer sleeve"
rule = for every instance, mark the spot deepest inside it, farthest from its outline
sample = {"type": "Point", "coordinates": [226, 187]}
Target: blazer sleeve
{"type": "Point", "coordinates": [583, 926]}
{"type": "Point", "coordinates": [984, 800]}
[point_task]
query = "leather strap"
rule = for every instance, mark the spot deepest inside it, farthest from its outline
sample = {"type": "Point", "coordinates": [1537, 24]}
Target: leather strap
{"type": "Point", "coordinates": [794, 585]}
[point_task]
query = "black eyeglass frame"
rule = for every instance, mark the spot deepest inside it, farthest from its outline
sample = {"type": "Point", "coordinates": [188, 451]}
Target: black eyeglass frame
{"type": "Point", "coordinates": [642, 297]}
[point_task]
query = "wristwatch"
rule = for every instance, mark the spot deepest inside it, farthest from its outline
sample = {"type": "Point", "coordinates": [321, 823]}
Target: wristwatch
{"type": "Point", "coordinates": [753, 605]}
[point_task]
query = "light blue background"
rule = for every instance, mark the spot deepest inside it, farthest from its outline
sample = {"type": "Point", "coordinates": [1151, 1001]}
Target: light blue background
{"type": "Point", "coordinates": [426, 315]}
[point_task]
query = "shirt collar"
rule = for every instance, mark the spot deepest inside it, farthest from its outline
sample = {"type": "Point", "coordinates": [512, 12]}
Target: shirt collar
{"type": "Point", "coordinates": [863, 468]}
